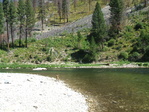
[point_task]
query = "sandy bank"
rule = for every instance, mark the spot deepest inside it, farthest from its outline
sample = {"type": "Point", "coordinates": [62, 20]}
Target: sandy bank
{"type": "Point", "coordinates": [34, 93]}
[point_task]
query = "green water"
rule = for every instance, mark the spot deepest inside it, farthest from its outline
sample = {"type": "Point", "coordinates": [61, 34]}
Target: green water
{"type": "Point", "coordinates": [115, 90]}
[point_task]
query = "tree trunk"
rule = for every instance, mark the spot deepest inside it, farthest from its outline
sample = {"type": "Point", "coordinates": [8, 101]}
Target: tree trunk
{"type": "Point", "coordinates": [7, 37]}
{"type": "Point", "coordinates": [89, 2]}
{"type": "Point", "coordinates": [42, 24]}
{"type": "Point", "coordinates": [11, 30]}
{"type": "Point", "coordinates": [145, 3]}
{"type": "Point", "coordinates": [20, 43]}
{"type": "Point", "coordinates": [26, 36]}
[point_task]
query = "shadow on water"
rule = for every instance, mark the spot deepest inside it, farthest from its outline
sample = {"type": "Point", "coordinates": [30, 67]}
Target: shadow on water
{"type": "Point", "coordinates": [118, 90]}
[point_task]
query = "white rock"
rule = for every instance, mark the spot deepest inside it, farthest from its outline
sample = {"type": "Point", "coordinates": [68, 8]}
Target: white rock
{"type": "Point", "coordinates": [40, 69]}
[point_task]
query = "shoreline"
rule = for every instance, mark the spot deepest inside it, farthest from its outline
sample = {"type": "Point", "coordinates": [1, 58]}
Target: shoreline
{"type": "Point", "coordinates": [72, 65]}
{"type": "Point", "coordinates": [28, 92]}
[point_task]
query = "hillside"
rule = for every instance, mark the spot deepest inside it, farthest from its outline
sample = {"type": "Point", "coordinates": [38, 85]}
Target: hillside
{"type": "Point", "coordinates": [132, 44]}
{"type": "Point", "coordinates": [61, 48]}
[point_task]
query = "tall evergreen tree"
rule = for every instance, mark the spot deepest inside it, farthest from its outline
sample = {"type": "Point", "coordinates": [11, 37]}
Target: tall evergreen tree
{"type": "Point", "coordinates": [30, 18]}
{"type": "Point", "coordinates": [6, 14]}
{"type": "Point", "coordinates": [75, 4]}
{"type": "Point", "coordinates": [93, 50]}
{"type": "Point", "coordinates": [1, 23]}
{"type": "Point", "coordinates": [35, 3]}
{"type": "Point", "coordinates": [41, 12]}
{"type": "Point", "coordinates": [1, 19]}
{"type": "Point", "coordinates": [59, 7]}
{"type": "Point", "coordinates": [117, 7]}
{"type": "Point", "coordinates": [12, 19]}
{"type": "Point", "coordinates": [65, 9]}
{"type": "Point", "coordinates": [21, 17]}
{"type": "Point", "coordinates": [145, 3]}
{"type": "Point", "coordinates": [89, 3]}
{"type": "Point", "coordinates": [98, 30]}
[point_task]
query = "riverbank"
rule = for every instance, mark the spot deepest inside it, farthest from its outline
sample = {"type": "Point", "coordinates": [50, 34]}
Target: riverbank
{"type": "Point", "coordinates": [75, 65]}
{"type": "Point", "coordinates": [34, 93]}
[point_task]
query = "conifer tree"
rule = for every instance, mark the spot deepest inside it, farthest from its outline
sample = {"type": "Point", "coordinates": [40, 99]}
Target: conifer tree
{"type": "Point", "coordinates": [1, 22]}
{"type": "Point", "coordinates": [98, 30]}
{"type": "Point", "coordinates": [89, 3]}
{"type": "Point", "coordinates": [30, 15]}
{"type": "Point", "coordinates": [75, 4]}
{"type": "Point", "coordinates": [12, 19]}
{"type": "Point", "coordinates": [93, 50]}
{"type": "Point", "coordinates": [116, 16]}
{"type": "Point", "coordinates": [59, 7]}
{"type": "Point", "coordinates": [145, 3]}
{"type": "Point", "coordinates": [34, 3]}
{"type": "Point", "coordinates": [21, 17]}
{"type": "Point", "coordinates": [41, 12]}
{"type": "Point", "coordinates": [1, 19]}
{"type": "Point", "coordinates": [65, 9]}
{"type": "Point", "coordinates": [6, 15]}
{"type": "Point", "coordinates": [30, 18]}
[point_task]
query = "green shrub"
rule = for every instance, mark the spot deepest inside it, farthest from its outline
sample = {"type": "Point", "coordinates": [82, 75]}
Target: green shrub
{"type": "Point", "coordinates": [134, 56]}
{"type": "Point", "coordinates": [129, 49]}
{"type": "Point", "coordinates": [2, 52]}
{"type": "Point", "coordinates": [105, 48]}
{"type": "Point", "coordinates": [138, 26]}
{"type": "Point", "coordinates": [119, 47]}
{"type": "Point", "coordinates": [129, 28]}
{"type": "Point", "coordinates": [32, 40]}
{"type": "Point", "coordinates": [123, 55]}
{"type": "Point", "coordinates": [111, 42]}
{"type": "Point", "coordinates": [48, 58]}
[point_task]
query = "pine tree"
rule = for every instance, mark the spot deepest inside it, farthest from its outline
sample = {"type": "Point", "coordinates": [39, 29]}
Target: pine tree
{"type": "Point", "coordinates": [21, 17]}
{"type": "Point", "coordinates": [65, 9]}
{"type": "Point", "coordinates": [145, 3]}
{"type": "Point", "coordinates": [41, 12]}
{"type": "Point", "coordinates": [34, 3]}
{"type": "Point", "coordinates": [6, 15]}
{"type": "Point", "coordinates": [1, 19]}
{"type": "Point", "coordinates": [59, 7]}
{"type": "Point", "coordinates": [30, 18]}
{"type": "Point", "coordinates": [116, 16]}
{"type": "Point", "coordinates": [12, 19]}
{"type": "Point", "coordinates": [75, 4]}
{"type": "Point", "coordinates": [93, 50]}
{"type": "Point", "coordinates": [1, 24]}
{"type": "Point", "coordinates": [89, 3]}
{"type": "Point", "coordinates": [98, 30]}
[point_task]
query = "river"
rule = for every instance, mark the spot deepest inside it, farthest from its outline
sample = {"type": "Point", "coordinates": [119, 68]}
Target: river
{"type": "Point", "coordinates": [113, 90]}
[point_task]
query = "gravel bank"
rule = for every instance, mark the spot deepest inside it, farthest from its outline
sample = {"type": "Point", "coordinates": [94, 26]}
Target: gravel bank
{"type": "Point", "coordinates": [34, 93]}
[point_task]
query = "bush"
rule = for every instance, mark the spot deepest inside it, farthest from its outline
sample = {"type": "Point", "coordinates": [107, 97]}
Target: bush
{"type": "Point", "coordinates": [111, 42]}
{"type": "Point", "coordinates": [128, 29]}
{"type": "Point", "coordinates": [48, 58]}
{"type": "Point", "coordinates": [31, 40]}
{"type": "Point", "coordinates": [145, 57]}
{"type": "Point", "coordinates": [119, 47]}
{"type": "Point", "coordinates": [123, 55]}
{"type": "Point", "coordinates": [105, 49]}
{"type": "Point", "coordinates": [134, 56]}
{"type": "Point", "coordinates": [138, 26]}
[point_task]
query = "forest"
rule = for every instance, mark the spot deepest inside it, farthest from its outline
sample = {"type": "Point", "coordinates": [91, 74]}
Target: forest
{"type": "Point", "coordinates": [125, 37]}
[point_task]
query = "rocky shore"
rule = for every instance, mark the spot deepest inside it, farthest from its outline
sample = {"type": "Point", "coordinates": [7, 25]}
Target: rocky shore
{"type": "Point", "coordinates": [34, 93]}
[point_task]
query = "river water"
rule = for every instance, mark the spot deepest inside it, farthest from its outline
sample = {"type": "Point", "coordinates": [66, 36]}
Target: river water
{"type": "Point", "coordinates": [114, 90]}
